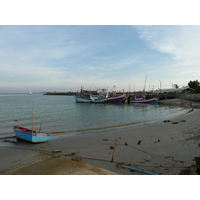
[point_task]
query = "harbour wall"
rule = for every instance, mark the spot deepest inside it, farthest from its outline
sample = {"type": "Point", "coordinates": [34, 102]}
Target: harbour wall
{"type": "Point", "coordinates": [194, 97]}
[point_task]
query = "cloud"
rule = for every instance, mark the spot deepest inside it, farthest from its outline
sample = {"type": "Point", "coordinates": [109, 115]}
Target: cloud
{"type": "Point", "coordinates": [180, 43]}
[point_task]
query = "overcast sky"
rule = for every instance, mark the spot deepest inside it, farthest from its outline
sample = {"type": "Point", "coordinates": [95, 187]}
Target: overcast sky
{"type": "Point", "coordinates": [66, 57]}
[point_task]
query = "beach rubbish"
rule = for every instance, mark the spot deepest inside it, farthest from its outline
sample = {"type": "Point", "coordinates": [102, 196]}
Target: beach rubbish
{"type": "Point", "coordinates": [139, 141]}
{"type": "Point", "coordinates": [183, 120]}
{"type": "Point", "coordinates": [126, 143]}
{"type": "Point", "coordinates": [114, 151]}
{"type": "Point", "coordinates": [138, 170]}
{"type": "Point", "coordinates": [157, 141]}
{"type": "Point", "coordinates": [79, 159]}
{"type": "Point", "coordinates": [57, 151]}
{"type": "Point", "coordinates": [105, 139]}
{"type": "Point", "coordinates": [169, 157]}
{"type": "Point", "coordinates": [175, 122]}
{"type": "Point", "coordinates": [188, 171]}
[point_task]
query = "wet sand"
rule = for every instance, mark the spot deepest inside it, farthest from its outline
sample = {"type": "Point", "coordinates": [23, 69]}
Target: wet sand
{"type": "Point", "coordinates": [163, 148]}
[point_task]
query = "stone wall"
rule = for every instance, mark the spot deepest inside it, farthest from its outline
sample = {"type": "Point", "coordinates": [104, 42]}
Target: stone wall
{"type": "Point", "coordinates": [194, 97]}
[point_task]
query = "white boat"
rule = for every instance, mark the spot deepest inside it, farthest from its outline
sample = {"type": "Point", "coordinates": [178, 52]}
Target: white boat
{"type": "Point", "coordinates": [30, 93]}
{"type": "Point", "coordinates": [82, 100]}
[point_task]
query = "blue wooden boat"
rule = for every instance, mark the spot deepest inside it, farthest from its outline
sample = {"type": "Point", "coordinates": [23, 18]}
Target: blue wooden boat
{"type": "Point", "coordinates": [141, 99]}
{"type": "Point", "coordinates": [116, 99]}
{"type": "Point", "coordinates": [30, 135]}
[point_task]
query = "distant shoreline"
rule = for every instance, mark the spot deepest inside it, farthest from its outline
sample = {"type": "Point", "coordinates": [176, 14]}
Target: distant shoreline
{"type": "Point", "coordinates": [60, 93]}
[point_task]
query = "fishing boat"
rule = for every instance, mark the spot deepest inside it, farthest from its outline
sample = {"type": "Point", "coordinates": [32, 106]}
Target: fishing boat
{"type": "Point", "coordinates": [82, 99]}
{"type": "Point", "coordinates": [116, 99]}
{"type": "Point", "coordinates": [97, 99]}
{"type": "Point", "coordinates": [30, 135]}
{"type": "Point", "coordinates": [141, 99]}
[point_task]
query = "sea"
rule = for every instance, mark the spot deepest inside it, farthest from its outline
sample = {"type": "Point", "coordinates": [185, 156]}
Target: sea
{"type": "Point", "coordinates": [63, 115]}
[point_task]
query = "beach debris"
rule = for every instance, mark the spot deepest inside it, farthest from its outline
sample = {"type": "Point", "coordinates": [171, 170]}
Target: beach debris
{"type": "Point", "coordinates": [169, 157]}
{"type": "Point", "coordinates": [134, 169]}
{"type": "Point", "coordinates": [105, 139]}
{"type": "Point", "coordinates": [166, 121]}
{"type": "Point", "coordinates": [72, 154]}
{"type": "Point", "coordinates": [175, 122]}
{"type": "Point", "coordinates": [79, 159]}
{"type": "Point", "coordinates": [139, 141]}
{"type": "Point", "coordinates": [126, 143]}
{"type": "Point", "coordinates": [6, 141]}
{"type": "Point", "coordinates": [188, 171]}
{"type": "Point", "coordinates": [57, 151]}
{"type": "Point", "coordinates": [183, 120]}
{"type": "Point", "coordinates": [111, 147]}
{"type": "Point", "coordinates": [12, 141]}
{"type": "Point", "coordinates": [157, 141]}
{"type": "Point", "coordinates": [114, 151]}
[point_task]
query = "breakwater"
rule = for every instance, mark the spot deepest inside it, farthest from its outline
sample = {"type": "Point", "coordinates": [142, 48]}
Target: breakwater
{"type": "Point", "coordinates": [60, 93]}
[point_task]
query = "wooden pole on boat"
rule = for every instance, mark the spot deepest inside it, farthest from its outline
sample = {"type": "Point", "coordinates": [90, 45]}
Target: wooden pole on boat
{"type": "Point", "coordinates": [113, 151]}
{"type": "Point", "coordinates": [32, 120]}
{"type": "Point", "coordinates": [40, 128]}
{"type": "Point", "coordinates": [57, 121]}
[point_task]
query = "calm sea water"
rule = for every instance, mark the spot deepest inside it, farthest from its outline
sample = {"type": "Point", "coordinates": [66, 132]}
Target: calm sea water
{"type": "Point", "coordinates": [76, 116]}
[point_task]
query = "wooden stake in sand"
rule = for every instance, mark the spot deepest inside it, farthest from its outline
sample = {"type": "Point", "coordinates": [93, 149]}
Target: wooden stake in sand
{"type": "Point", "coordinates": [114, 151]}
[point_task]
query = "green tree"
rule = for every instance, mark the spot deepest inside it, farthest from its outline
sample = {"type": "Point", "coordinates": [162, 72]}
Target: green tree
{"type": "Point", "coordinates": [194, 84]}
{"type": "Point", "coordinates": [176, 86]}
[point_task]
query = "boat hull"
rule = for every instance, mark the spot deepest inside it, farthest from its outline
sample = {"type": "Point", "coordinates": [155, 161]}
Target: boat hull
{"type": "Point", "coordinates": [82, 100]}
{"type": "Point", "coordinates": [152, 100]}
{"type": "Point", "coordinates": [120, 98]}
{"type": "Point", "coordinates": [31, 137]}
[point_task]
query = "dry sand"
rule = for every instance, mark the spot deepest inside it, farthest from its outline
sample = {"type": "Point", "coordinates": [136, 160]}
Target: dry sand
{"type": "Point", "coordinates": [165, 148]}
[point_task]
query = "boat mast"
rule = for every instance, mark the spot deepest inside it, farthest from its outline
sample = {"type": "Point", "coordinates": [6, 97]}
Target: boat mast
{"type": "Point", "coordinates": [145, 83]}
{"type": "Point", "coordinates": [32, 120]}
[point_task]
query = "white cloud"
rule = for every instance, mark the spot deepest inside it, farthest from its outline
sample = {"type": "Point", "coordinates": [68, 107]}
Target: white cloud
{"type": "Point", "coordinates": [181, 43]}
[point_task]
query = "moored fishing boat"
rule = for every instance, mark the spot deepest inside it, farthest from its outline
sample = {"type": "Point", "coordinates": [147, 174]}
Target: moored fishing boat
{"type": "Point", "coordinates": [82, 99]}
{"type": "Point", "coordinates": [97, 99]}
{"type": "Point", "coordinates": [141, 99]}
{"type": "Point", "coordinates": [30, 135]}
{"type": "Point", "coordinates": [116, 99]}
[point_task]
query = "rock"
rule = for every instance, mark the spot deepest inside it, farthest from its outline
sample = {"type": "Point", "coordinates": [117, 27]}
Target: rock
{"type": "Point", "coordinates": [79, 159]}
{"type": "Point", "coordinates": [166, 121]}
{"type": "Point", "coordinates": [111, 147]}
{"type": "Point", "coordinates": [126, 143]}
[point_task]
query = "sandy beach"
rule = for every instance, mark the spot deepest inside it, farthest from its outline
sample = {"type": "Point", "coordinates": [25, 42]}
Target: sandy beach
{"type": "Point", "coordinates": [163, 148]}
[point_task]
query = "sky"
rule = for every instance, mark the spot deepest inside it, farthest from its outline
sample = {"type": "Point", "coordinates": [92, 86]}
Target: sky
{"type": "Point", "coordinates": [66, 57]}
{"type": "Point", "coordinates": [90, 47]}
